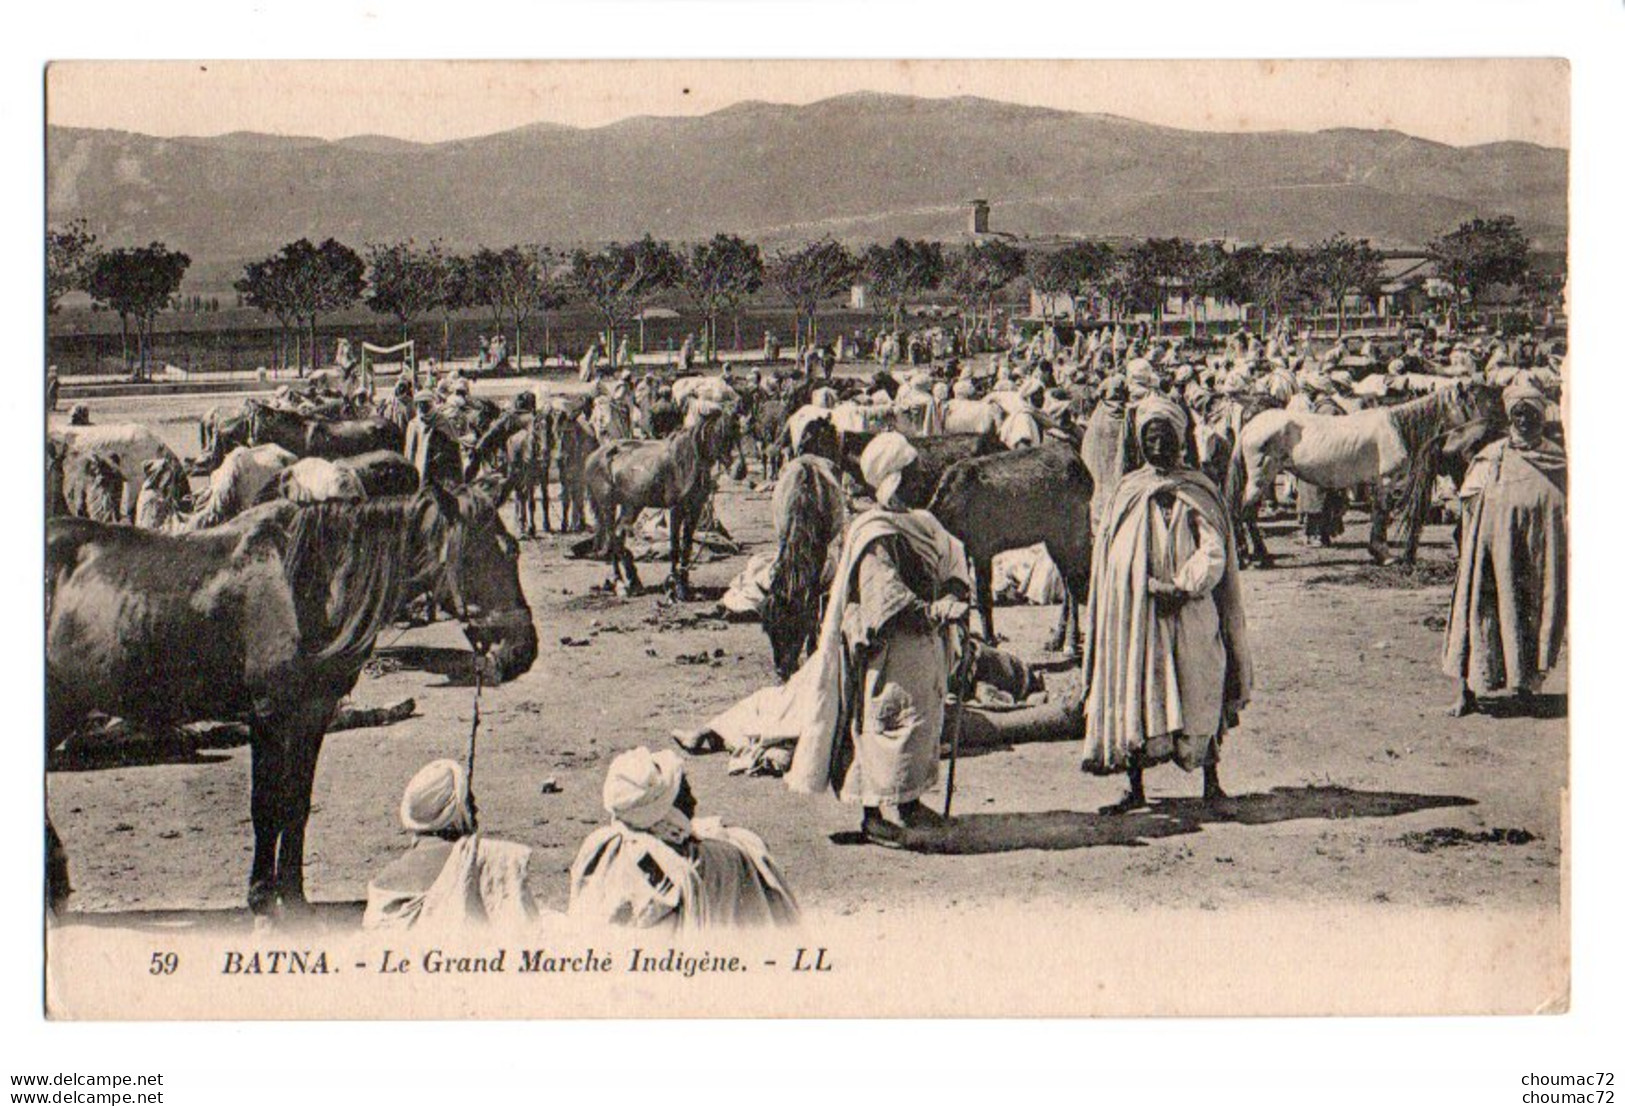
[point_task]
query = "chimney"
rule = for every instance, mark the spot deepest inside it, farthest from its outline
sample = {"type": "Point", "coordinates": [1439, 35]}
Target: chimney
{"type": "Point", "coordinates": [978, 216]}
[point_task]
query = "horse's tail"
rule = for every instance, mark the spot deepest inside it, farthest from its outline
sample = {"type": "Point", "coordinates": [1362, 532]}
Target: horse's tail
{"type": "Point", "coordinates": [1416, 497]}
{"type": "Point", "coordinates": [1235, 479]}
{"type": "Point", "coordinates": [790, 608]}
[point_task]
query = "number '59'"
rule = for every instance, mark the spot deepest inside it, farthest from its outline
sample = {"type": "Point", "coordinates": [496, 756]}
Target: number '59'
{"type": "Point", "coordinates": [163, 963]}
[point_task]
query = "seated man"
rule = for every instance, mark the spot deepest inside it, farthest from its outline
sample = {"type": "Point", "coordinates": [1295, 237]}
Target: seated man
{"type": "Point", "coordinates": [656, 866]}
{"type": "Point", "coordinates": [451, 876]}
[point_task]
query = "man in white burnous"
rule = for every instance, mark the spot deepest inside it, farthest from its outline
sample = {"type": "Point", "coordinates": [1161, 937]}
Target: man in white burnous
{"type": "Point", "coordinates": [1166, 668]}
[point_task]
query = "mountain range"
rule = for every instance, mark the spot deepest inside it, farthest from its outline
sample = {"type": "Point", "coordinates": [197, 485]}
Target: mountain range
{"type": "Point", "coordinates": [860, 167]}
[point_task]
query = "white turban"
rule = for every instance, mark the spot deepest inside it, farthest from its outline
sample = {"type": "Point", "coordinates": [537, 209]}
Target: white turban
{"type": "Point", "coordinates": [437, 799]}
{"type": "Point", "coordinates": [642, 786]}
{"type": "Point", "coordinates": [1158, 406]}
{"type": "Point", "coordinates": [964, 389]}
{"type": "Point", "coordinates": [1521, 392]}
{"type": "Point", "coordinates": [883, 462]}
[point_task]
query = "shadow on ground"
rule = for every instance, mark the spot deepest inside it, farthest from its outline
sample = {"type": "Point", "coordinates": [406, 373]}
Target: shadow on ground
{"type": "Point", "coordinates": [975, 834]}
{"type": "Point", "coordinates": [456, 665]}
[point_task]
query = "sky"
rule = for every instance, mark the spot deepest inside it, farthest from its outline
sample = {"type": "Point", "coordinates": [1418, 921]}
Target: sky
{"type": "Point", "coordinates": [1460, 102]}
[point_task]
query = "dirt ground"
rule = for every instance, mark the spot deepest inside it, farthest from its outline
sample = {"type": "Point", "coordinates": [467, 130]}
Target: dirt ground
{"type": "Point", "coordinates": [1352, 786]}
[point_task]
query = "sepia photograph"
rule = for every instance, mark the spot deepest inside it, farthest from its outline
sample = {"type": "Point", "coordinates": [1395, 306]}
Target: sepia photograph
{"type": "Point", "coordinates": [806, 538]}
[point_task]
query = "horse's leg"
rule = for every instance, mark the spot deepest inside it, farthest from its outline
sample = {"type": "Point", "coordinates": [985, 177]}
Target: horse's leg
{"type": "Point", "coordinates": [302, 745]}
{"type": "Point", "coordinates": [1261, 554]}
{"type": "Point", "coordinates": [675, 519]}
{"type": "Point", "coordinates": [265, 808]}
{"type": "Point", "coordinates": [620, 521]}
{"type": "Point", "coordinates": [542, 494]}
{"type": "Point", "coordinates": [1378, 543]}
{"type": "Point", "coordinates": [982, 576]}
{"type": "Point", "coordinates": [1058, 637]}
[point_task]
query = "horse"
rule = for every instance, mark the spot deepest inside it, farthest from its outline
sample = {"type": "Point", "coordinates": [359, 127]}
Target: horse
{"type": "Point", "coordinates": [624, 477]}
{"type": "Point", "coordinates": [133, 444]}
{"type": "Point", "coordinates": [574, 442]}
{"type": "Point", "coordinates": [809, 513]}
{"type": "Point", "coordinates": [236, 485]}
{"type": "Point", "coordinates": [382, 472]}
{"type": "Point", "coordinates": [220, 430]}
{"type": "Point", "coordinates": [1003, 501]}
{"type": "Point", "coordinates": [765, 427]}
{"type": "Point", "coordinates": [317, 437]}
{"type": "Point", "coordinates": [315, 480]}
{"type": "Point", "coordinates": [267, 620]}
{"type": "Point", "coordinates": [1361, 448]}
{"type": "Point", "coordinates": [519, 445]}
{"type": "Point", "coordinates": [936, 453]}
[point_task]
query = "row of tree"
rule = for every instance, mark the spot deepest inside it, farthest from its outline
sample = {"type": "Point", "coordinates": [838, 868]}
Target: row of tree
{"type": "Point", "coordinates": [518, 285]}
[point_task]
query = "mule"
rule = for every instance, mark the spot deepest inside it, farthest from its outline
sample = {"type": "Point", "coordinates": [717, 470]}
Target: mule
{"type": "Point", "coordinates": [1037, 494]}
{"type": "Point", "coordinates": [268, 620]}
{"type": "Point", "coordinates": [625, 477]}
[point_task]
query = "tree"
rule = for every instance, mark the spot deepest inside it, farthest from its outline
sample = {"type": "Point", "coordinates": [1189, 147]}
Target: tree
{"type": "Point", "coordinates": [619, 279]}
{"type": "Point", "coordinates": [1076, 271]}
{"type": "Point", "coordinates": [809, 275]}
{"type": "Point", "coordinates": [301, 282]}
{"type": "Point", "coordinates": [1479, 253]}
{"type": "Point", "coordinates": [515, 283]}
{"type": "Point", "coordinates": [1209, 275]}
{"type": "Point", "coordinates": [1342, 266]}
{"type": "Point", "coordinates": [1273, 279]}
{"type": "Point", "coordinates": [137, 283]}
{"type": "Point", "coordinates": [452, 289]}
{"type": "Point", "coordinates": [401, 282]}
{"type": "Point", "coordinates": [978, 271]}
{"type": "Point", "coordinates": [718, 276]}
{"type": "Point", "coordinates": [70, 255]}
{"type": "Point", "coordinates": [267, 285]}
{"type": "Point", "coordinates": [903, 269]}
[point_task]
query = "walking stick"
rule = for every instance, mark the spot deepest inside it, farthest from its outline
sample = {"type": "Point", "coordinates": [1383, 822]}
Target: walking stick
{"type": "Point", "coordinates": [956, 721]}
{"type": "Point", "coordinates": [474, 726]}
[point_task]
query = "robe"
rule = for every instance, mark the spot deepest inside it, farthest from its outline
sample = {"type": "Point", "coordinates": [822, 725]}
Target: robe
{"type": "Point", "coordinates": [1163, 686]}
{"type": "Point", "coordinates": [480, 882]}
{"type": "Point", "coordinates": [1104, 451]}
{"type": "Point", "coordinates": [815, 710]}
{"type": "Point", "coordinates": [1510, 607]}
{"type": "Point", "coordinates": [714, 876]}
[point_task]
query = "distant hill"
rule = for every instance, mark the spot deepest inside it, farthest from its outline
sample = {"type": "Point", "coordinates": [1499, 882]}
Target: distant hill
{"type": "Point", "coordinates": [861, 167]}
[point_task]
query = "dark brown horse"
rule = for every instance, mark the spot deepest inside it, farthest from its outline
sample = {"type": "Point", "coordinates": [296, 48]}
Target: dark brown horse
{"type": "Point", "coordinates": [1039, 494]}
{"type": "Point", "coordinates": [305, 436]}
{"type": "Point", "coordinates": [626, 477]}
{"type": "Point", "coordinates": [267, 619]}
{"type": "Point", "coordinates": [382, 472]}
{"type": "Point", "coordinates": [936, 453]}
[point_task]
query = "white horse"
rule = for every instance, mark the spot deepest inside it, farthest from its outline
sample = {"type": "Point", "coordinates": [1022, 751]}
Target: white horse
{"type": "Point", "coordinates": [1364, 447]}
{"type": "Point", "coordinates": [131, 443]}
{"type": "Point", "coordinates": [316, 480]}
{"type": "Point", "coordinates": [236, 485]}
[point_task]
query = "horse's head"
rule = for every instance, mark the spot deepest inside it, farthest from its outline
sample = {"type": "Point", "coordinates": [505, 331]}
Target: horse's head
{"type": "Point", "coordinates": [480, 578]}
